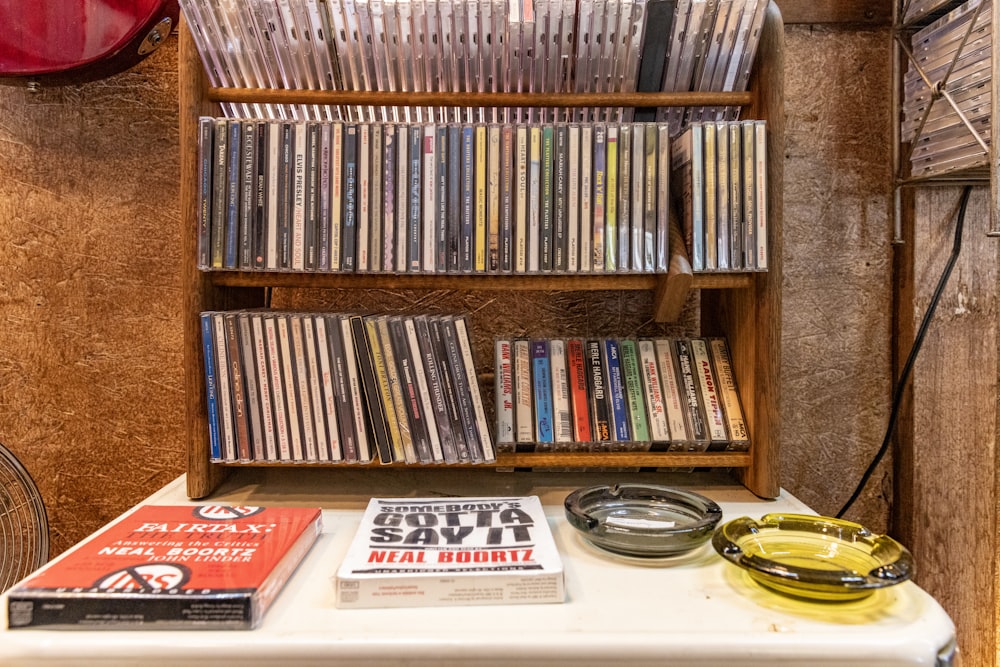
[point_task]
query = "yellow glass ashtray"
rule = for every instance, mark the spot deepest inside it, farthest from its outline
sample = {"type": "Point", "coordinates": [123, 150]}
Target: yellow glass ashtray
{"type": "Point", "coordinates": [813, 557]}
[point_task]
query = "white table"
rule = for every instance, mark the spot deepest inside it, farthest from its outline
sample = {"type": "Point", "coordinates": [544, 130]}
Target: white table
{"type": "Point", "coordinates": [693, 610]}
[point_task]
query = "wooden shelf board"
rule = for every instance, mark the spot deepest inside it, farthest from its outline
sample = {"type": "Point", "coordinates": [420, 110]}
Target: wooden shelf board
{"type": "Point", "coordinates": [509, 282]}
{"type": "Point", "coordinates": [561, 460]}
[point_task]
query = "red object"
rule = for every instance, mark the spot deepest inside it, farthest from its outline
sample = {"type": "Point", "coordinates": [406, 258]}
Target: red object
{"type": "Point", "coordinates": [72, 41]}
{"type": "Point", "coordinates": [169, 567]}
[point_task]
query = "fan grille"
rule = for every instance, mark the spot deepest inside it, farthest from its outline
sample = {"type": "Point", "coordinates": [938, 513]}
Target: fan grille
{"type": "Point", "coordinates": [24, 532]}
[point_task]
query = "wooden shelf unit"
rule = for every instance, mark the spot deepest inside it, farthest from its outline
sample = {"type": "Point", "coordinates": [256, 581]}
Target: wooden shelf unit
{"type": "Point", "coordinates": [743, 307]}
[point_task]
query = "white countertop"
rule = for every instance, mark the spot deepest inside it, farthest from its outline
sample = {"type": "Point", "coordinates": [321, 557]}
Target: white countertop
{"type": "Point", "coordinates": [690, 610]}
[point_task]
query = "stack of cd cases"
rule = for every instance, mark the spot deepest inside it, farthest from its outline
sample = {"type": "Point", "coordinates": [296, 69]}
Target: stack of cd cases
{"type": "Point", "coordinates": [947, 88]}
{"type": "Point", "coordinates": [485, 46]}
{"type": "Point", "coordinates": [291, 387]}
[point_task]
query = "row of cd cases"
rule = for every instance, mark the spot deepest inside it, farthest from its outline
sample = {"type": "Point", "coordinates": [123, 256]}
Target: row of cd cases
{"type": "Point", "coordinates": [946, 98]}
{"type": "Point", "coordinates": [325, 388]}
{"type": "Point", "coordinates": [539, 46]}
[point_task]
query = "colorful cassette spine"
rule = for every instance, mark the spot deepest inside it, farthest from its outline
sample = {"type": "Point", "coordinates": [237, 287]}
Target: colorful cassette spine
{"type": "Point", "coordinates": [616, 389]}
{"type": "Point", "coordinates": [541, 384]}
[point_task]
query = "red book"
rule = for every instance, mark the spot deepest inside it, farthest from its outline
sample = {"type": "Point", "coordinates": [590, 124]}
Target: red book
{"type": "Point", "coordinates": [170, 567]}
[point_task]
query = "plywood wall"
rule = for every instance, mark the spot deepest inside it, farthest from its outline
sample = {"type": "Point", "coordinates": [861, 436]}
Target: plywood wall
{"type": "Point", "coordinates": [90, 342]}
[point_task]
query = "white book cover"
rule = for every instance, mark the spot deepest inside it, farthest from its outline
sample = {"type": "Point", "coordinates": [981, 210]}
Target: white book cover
{"type": "Point", "coordinates": [417, 552]}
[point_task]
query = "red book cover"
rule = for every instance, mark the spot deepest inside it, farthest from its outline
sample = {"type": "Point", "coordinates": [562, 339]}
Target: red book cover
{"type": "Point", "coordinates": [170, 567]}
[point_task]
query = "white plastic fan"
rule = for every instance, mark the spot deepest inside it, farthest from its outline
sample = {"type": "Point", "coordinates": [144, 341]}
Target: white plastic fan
{"type": "Point", "coordinates": [24, 527]}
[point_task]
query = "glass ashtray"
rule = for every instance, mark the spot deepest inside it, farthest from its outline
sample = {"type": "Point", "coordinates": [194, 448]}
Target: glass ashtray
{"type": "Point", "coordinates": [813, 557]}
{"type": "Point", "coordinates": [642, 520]}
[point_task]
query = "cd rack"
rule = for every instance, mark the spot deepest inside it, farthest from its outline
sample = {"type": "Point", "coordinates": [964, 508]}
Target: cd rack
{"type": "Point", "coordinates": [743, 307]}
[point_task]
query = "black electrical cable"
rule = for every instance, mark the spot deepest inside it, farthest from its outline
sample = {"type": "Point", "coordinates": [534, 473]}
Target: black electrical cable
{"type": "Point", "coordinates": [904, 376]}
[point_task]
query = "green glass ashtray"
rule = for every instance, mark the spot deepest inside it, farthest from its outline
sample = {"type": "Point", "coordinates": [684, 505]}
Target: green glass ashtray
{"type": "Point", "coordinates": [813, 557]}
{"type": "Point", "coordinates": [642, 520]}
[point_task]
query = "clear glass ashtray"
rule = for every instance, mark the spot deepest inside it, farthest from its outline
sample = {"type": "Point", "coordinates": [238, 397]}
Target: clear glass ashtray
{"type": "Point", "coordinates": [813, 557]}
{"type": "Point", "coordinates": [642, 520]}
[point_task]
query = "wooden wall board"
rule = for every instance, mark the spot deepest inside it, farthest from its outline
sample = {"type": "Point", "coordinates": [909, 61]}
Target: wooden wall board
{"type": "Point", "coordinates": [863, 12]}
{"type": "Point", "coordinates": [945, 509]}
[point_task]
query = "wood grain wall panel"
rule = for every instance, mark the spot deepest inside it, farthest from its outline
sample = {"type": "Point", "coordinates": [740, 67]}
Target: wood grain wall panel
{"type": "Point", "coordinates": [90, 291]}
{"type": "Point", "coordinates": [857, 12]}
{"type": "Point", "coordinates": [947, 512]}
{"type": "Point", "coordinates": [836, 357]}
